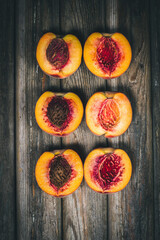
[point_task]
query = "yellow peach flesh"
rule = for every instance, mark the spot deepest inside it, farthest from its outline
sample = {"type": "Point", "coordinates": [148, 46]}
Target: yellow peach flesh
{"type": "Point", "coordinates": [90, 54]}
{"type": "Point", "coordinates": [42, 172]}
{"type": "Point", "coordinates": [75, 55]}
{"type": "Point", "coordinates": [93, 109]}
{"type": "Point", "coordinates": [90, 163]}
{"type": "Point", "coordinates": [77, 113]}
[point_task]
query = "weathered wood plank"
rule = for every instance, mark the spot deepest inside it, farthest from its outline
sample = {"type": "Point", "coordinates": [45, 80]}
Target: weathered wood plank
{"type": "Point", "coordinates": [131, 210]}
{"type": "Point", "coordinates": [130, 214]}
{"type": "Point", "coordinates": [84, 211]}
{"type": "Point", "coordinates": [38, 214]}
{"type": "Point", "coordinates": [7, 124]}
{"type": "Point", "coordinates": [155, 70]}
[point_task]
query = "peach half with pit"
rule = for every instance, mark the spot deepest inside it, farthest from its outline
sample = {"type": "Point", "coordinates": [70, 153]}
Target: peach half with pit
{"type": "Point", "coordinates": [59, 173]}
{"type": "Point", "coordinates": [108, 113]}
{"type": "Point", "coordinates": [57, 56]}
{"type": "Point", "coordinates": [107, 170]}
{"type": "Point", "coordinates": [107, 55]}
{"type": "Point", "coordinates": [59, 114]}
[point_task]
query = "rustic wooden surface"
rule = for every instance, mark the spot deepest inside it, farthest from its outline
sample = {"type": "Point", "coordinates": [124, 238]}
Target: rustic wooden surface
{"type": "Point", "coordinates": [7, 123]}
{"type": "Point", "coordinates": [27, 212]}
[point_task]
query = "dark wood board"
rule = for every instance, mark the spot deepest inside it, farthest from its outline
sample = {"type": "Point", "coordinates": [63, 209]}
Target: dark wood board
{"type": "Point", "coordinates": [155, 110]}
{"type": "Point", "coordinates": [27, 212]}
{"type": "Point", "coordinates": [131, 210]}
{"type": "Point", "coordinates": [7, 123]}
{"type": "Point", "coordinates": [84, 210]}
{"type": "Point", "coordinates": [38, 214]}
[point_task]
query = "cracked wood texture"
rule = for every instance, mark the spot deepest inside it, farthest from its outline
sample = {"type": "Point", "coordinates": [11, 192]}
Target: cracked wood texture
{"type": "Point", "coordinates": [27, 212]}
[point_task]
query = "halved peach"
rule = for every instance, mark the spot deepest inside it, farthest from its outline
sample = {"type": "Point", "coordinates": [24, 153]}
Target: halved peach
{"type": "Point", "coordinates": [60, 172]}
{"type": "Point", "coordinates": [107, 170]}
{"type": "Point", "coordinates": [59, 57]}
{"type": "Point", "coordinates": [107, 55]}
{"type": "Point", "coordinates": [108, 113]}
{"type": "Point", "coordinates": [59, 113]}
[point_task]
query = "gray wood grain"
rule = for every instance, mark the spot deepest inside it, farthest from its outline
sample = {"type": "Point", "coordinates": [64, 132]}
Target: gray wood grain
{"type": "Point", "coordinates": [131, 210]}
{"type": "Point", "coordinates": [155, 77]}
{"type": "Point", "coordinates": [84, 211]}
{"type": "Point", "coordinates": [7, 124]}
{"type": "Point", "coordinates": [38, 214]}
{"type": "Point", "coordinates": [26, 211]}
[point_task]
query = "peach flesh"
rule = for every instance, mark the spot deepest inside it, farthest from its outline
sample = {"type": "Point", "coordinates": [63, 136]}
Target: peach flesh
{"type": "Point", "coordinates": [109, 114]}
{"type": "Point", "coordinates": [60, 172]}
{"type": "Point", "coordinates": [57, 53]}
{"type": "Point", "coordinates": [108, 170]}
{"type": "Point", "coordinates": [108, 54]}
{"type": "Point", "coordinates": [59, 112]}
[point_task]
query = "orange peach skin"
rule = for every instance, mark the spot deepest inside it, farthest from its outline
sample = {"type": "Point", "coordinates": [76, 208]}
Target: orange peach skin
{"type": "Point", "coordinates": [92, 109]}
{"type": "Point", "coordinates": [90, 161]}
{"type": "Point", "coordinates": [75, 55]}
{"type": "Point", "coordinates": [42, 172]}
{"type": "Point", "coordinates": [77, 113]}
{"type": "Point", "coordinates": [90, 52]}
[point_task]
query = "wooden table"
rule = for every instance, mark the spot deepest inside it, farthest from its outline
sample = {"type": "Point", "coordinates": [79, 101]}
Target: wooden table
{"type": "Point", "coordinates": [26, 211]}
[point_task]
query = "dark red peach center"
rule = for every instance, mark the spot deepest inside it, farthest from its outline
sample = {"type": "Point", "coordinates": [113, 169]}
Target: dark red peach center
{"type": "Point", "coordinates": [108, 54]}
{"type": "Point", "coordinates": [108, 170]}
{"type": "Point", "coordinates": [57, 53]}
{"type": "Point", "coordinates": [109, 114]}
{"type": "Point", "coordinates": [60, 171]}
{"type": "Point", "coordinates": [59, 112]}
